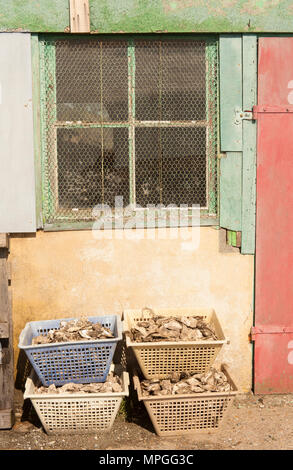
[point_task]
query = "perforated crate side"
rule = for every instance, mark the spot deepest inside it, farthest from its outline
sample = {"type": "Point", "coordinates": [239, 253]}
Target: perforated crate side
{"type": "Point", "coordinates": [161, 360]}
{"type": "Point", "coordinates": [79, 362]}
{"type": "Point", "coordinates": [72, 363]}
{"type": "Point", "coordinates": [184, 414]}
{"type": "Point", "coordinates": [75, 412]}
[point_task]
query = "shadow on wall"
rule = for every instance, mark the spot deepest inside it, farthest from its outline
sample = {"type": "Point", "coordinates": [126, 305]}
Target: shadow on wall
{"type": "Point", "coordinates": [23, 370]}
{"type": "Point", "coordinates": [23, 235]}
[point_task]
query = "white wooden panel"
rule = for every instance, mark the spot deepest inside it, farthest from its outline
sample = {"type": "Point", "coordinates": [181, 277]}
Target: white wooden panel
{"type": "Point", "coordinates": [17, 179]}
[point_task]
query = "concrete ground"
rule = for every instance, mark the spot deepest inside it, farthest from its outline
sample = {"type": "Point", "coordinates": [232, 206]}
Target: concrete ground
{"type": "Point", "coordinates": [252, 423]}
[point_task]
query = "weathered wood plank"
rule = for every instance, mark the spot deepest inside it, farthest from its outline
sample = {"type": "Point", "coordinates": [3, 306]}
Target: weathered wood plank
{"type": "Point", "coordinates": [36, 96]}
{"type": "Point", "coordinates": [79, 16]}
{"type": "Point", "coordinates": [6, 345]}
{"type": "Point", "coordinates": [4, 330]}
{"type": "Point", "coordinates": [4, 298]}
{"type": "Point", "coordinates": [6, 419]}
{"type": "Point", "coordinates": [4, 240]}
{"type": "Point", "coordinates": [231, 191]}
{"type": "Point", "coordinates": [6, 375]}
{"type": "Point", "coordinates": [17, 175]}
{"type": "Point", "coordinates": [249, 145]}
{"type": "Point", "coordinates": [230, 92]}
{"type": "Point", "coordinates": [8, 269]}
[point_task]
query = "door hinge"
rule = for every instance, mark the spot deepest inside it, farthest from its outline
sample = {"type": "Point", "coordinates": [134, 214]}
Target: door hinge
{"type": "Point", "coordinates": [270, 330]}
{"type": "Point", "coordinates": [259, 109]}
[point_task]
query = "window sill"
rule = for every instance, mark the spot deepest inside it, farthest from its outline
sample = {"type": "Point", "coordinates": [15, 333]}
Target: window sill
{"type": "Point", "coordinates": [89, 225]}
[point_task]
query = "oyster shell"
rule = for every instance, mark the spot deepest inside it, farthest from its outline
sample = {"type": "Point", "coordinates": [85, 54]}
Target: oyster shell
{"type": "Point", "coordinates": [113, 384]}
{"type": "Point", "coordinates": [84, 334]}
{"type": "Point", "coordinates": [173, 325]}
{"type": "Point", "coordinates": [175, 328]}
{"type": "Point", "coordinates": [74, 330]}
{"type": "Point", "coordinates": [185, 383]}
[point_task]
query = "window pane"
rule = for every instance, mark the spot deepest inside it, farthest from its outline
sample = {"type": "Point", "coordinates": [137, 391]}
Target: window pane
{"type": "Point", "coordinates": [115, 81]}
{"type": "Point", "coordinates": [79, 168]}
{"type": "Point", "coordinates": [116, 165]}
{"type": "Point", "coordinates": [78, 80]}
{"type": "Point", "coordinates": [170, 166]}
{"type": "Point", "coordinates": [91, 75]}
{"type": "Point", "coordinates": [184, 166]}
{"type": "Point", "coordinates": [147, 81]}
{"type": "Point", "coordinates": [147, 166]}
{"type": "Point", "coordinates": [90, 173]}
{"type": "Point", "coordinates": [170, 80]}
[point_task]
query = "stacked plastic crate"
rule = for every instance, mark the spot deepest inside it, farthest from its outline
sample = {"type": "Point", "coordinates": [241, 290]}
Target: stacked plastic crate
{"type": "Point", "coordinates": [81, 362]}
{"type": "Point", "coordinates": [180, 413]}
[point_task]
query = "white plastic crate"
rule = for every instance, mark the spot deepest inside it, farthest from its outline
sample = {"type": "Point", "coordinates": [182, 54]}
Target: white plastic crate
{"type": "Point", "coordinates": [175, 415]}
{"type": "Point", "coordinates": [75, 412]}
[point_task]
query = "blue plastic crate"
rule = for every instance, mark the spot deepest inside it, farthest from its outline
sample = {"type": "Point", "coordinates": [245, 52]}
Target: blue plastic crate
{"type": "Point", "coordinates": [76, 361]}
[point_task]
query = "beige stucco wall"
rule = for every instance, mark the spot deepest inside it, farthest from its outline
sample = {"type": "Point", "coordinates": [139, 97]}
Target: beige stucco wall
{"type": "Point", "coordinates": [68, 274]}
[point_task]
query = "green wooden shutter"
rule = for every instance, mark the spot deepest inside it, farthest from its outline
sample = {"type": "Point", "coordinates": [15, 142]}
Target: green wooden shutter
{"type": "Point", "coordinates": [230, 91]}
{"type": "Point", "coordinates": [249, 48]}
{"type": "Point", "coordinates": [238, 138]}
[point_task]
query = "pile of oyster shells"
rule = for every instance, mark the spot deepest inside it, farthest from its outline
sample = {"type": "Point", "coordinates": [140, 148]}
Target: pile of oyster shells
{"type": "Point", "coordinates": [185, 383]}
{"type": "Point", "coordinates": [161, 328]}
{"type": "Point", "coordinates": [74, 330]}
{"type": "Point", "coordinates": [112, 384]}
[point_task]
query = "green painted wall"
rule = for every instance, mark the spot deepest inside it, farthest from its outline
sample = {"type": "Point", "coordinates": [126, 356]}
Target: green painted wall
{"type": "Point", "coordinates": [191, 15]}
{"type": "Point", "coordinates": [130, 16]}
{"type": "Point", "coordinates": [34, 15]}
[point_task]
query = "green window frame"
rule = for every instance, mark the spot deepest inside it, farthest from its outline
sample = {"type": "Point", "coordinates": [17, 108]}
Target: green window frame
{"type": "Point", "coordinates": [54, 219]}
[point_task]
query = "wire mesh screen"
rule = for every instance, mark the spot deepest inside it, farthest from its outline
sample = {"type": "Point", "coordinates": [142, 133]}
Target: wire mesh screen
{"type": "Point", "coordinates": [170, 166]}
{"type": "Point", "coordinates": [132, 118]}
{"type": "Point", "coordinates": [91, 80]}
{"type": "Point", "coordinates": [87, 173]}
{"type": "Point", "coordinates": [170, 80]}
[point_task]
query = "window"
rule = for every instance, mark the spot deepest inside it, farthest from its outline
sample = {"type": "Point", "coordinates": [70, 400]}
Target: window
{"type": "Point", "coordinates": [130, 117]}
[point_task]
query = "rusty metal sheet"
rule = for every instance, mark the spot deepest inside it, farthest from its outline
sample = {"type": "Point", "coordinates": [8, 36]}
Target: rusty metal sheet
{"type": "Point", "coordinates": [274, 363]}
{"type": "Point", "coordinates": [274, 221]}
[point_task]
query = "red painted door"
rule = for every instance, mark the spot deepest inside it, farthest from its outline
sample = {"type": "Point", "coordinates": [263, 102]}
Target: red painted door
{"type": "Point", "coordinates": [274, 218]}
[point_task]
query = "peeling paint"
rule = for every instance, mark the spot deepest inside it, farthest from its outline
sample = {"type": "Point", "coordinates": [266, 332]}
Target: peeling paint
{"type": "Point", "coordinates": [149, 16]}
{"type": "Point", "coordinates": [31, 16]}
{"type": "Point", "coordinates": [259, 7]}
